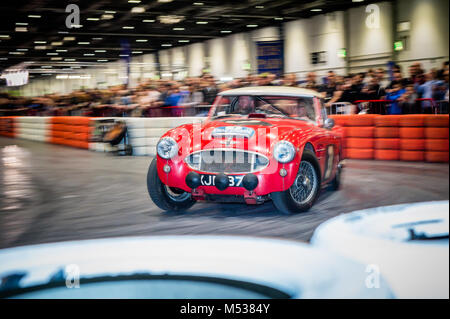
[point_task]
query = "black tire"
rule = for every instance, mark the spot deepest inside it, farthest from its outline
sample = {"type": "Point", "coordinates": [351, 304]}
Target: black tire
{"type": "Point", "coordinates": [160, 193]}
{"type": "Point", "coordinates": [285, 201]}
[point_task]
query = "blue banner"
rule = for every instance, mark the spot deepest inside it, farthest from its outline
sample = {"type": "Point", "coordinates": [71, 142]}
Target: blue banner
{"type": "Point", "coordinates": [270, 57]}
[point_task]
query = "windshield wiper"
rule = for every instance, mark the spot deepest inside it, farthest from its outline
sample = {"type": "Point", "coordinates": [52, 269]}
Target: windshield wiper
{"type": "Point", "coordinates": [413, 235]}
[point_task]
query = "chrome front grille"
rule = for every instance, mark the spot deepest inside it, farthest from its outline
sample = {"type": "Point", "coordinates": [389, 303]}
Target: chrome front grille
{"type": "Point", "coordinates": [227, 161]}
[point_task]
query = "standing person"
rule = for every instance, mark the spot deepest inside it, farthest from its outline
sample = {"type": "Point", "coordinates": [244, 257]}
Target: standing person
{"type": "Point", "coordinates": [210, 89]}
{"type": "Point", "coordinates": [329, 88]}
{"type": "Point", "coordinates": [311, 82]}
{"type": "Point", "coordinates": [290, 79]}
{"type": "Point", "coordinates": [396, 92]}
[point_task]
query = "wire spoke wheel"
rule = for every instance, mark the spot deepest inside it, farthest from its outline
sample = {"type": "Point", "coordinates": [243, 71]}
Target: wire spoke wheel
{"type": "Point", "coordinates": [175, 194]}
{"type": "Point", "coordinates": [305, 184]}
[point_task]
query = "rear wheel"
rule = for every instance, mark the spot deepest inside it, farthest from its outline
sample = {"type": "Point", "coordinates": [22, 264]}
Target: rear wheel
{"type": "Point", "coordinates": [301, 195]}
{"type": "Point", "coordinates": [165, 197]}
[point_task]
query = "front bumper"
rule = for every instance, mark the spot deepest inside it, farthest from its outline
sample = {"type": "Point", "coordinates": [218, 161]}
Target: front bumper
{"type": "Point", "coordinates": [269, 179]}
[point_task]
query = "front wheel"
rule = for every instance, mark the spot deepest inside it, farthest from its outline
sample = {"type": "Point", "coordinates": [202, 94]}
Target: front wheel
{"type": "Point", "coordinates": [301, 195]}
{"type": "Point", "coordinates": [165, 197]}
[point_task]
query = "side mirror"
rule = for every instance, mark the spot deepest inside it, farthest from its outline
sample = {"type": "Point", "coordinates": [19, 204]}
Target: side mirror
{"type": "Point", "coordinates": [329, 123]}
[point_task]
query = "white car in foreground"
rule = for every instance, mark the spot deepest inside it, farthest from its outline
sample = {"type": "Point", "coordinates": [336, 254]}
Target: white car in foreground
{"type": "Point", "coordinates": [407, 244]}
{"type": "Point", "coordinates": [181, 267]}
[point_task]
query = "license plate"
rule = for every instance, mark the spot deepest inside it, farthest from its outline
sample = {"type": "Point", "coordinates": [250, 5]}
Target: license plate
{"type": "Point", "coordinates": [210, 180]}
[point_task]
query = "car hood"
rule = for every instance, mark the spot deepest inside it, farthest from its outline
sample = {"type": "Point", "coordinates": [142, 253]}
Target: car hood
{"type": "Point", "coordinates": [254, 134]}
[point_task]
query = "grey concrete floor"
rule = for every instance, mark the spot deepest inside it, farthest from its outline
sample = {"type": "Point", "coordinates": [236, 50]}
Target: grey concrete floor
{"type": "Point", "coordinates": [52, 193]}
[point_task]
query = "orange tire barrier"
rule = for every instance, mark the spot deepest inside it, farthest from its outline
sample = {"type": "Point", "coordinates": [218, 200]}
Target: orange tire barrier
{"type": "Point", "coordinates": [387, 143]}
{"type": "Point", "coordinates": [413, 120]}
{"type": "Point", "coordinates": [387, 155]}
{"type": "Point", "coordinates": [440, 145]}
{"type": "Point", "coordinates": [436, 157]}
{"type": "Point", "coordinates": [7, 126]}
{"type": "Point", "coordinates": [359, 131]}
{"type": "Point", "coordinates": [412, 132]}
{"type": "Point", "coordinates": [440, 120]}
{"type": "Point", "coordinates": [355, 153]}
{"type": "Point", "coordinates": [387, 132]}
{"type": "Point", "coordinates": [340, 120]}
{"type": "Point", "coordinates": [412, 156]}
{"type": "Point", "coordinates": [71, 131]}
{"type": "Point", "coordinates": [361, 120]}
{"type": "Point", "coordinates": [436, 132]}
{"type": "Point", "coordinates": [387, 121]}
{"type": "Point", "coordinates": [353, 142]}
{"type": "Point", "coordinates": [412, 144]}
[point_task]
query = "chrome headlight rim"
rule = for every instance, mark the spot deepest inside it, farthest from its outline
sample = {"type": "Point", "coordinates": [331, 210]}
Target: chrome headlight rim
{"type": "Point", "coordinates": [289, 147]}
{"type": "Point", "coordinates": [169, 142]}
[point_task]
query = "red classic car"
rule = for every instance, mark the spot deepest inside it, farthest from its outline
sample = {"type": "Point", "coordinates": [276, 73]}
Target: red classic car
{"type": "Point", "coordinates": [258, 144]}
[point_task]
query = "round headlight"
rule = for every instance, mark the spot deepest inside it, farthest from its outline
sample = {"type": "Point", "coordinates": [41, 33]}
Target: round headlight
{"type": "Point", "coordinates": [284, 152]}
{"type": "Point", "coordinates": [167, 148]}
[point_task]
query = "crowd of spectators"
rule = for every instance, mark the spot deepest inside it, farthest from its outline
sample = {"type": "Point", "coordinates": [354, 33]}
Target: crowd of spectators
{"type": "Point", "coordinates": [411, 91]}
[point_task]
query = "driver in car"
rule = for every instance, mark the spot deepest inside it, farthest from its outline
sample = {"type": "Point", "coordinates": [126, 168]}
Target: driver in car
{"type": "Point", "coordinates": [246, 105]}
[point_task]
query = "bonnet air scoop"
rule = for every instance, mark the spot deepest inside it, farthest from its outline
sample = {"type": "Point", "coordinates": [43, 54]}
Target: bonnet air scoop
{"type": "Point", "coordinates": [233, 131]}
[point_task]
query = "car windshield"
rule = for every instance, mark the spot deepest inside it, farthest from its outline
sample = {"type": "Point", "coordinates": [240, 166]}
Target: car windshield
{"type": "Point", "coordinates": [301, 108]}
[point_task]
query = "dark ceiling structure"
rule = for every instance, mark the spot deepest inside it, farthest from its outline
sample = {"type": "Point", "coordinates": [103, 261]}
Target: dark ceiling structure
{"type": "Point", "coordinates": [35, 30]}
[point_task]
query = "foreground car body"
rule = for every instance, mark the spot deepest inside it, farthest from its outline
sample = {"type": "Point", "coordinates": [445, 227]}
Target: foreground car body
{"type": "Point", "coordinates": [257, 144]}
{"type": "Point", "coordinates": [180, 267]}
{"type": "Point", "coordinates": [407, 244]}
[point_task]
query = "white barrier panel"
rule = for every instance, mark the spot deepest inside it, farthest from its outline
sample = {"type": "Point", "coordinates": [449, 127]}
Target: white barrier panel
{"type": "Point", "coordinates": [33, 128]}
{"type": "Point", "coordinates": [144, 133]}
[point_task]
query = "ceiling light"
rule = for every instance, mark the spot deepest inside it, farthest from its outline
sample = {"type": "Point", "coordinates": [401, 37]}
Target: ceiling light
{"type": "Point", "coordinates": [170, 19]}
{"type": "Point", "coordinates": [107, 16]}
{"type": "Point", "coordinates": [56, 59]}
{"type": "Point", "coordinates": [110, 12]}
{"type": "Point", "coordinates": [69, 38]}
{"type": "Point", "coordinates": [24, 50]}
{"type": "Point", "coordinates": [21, 23]}
{"type": "Point", "coordinates": [93, 19]}
{"type": "Point", "coordinates": [178, 29]}
{"type": "Point", "coordinates": [226, 31]}
{"type": "Point", "coordinates": [84, 43]}
{"type": "Point", "coordinates": [52, 53]}
{"type": "Point", "coordinates": [34, 16]}
{"type": "Point", "coordinates": [63, 32]}
{"type": "Point", "coordinates": [198, 3]}
{"type": "Point", "coordinates": [46, 66]}
{"type": "Point", "coordinates": [89, 54]}
{"type": "Point", "coordinates": [166, 45]}
{"type": "Point", "coordinates": [4, 36]}
{"type": "Point", "coordinates": [316, 10]}
{"type": "Point", "coordinates": [165, 1]}
{"type": "Point", "coordinates": [40, 42]}
{"type": "Point", "coordinates": [70, 60]}
{"type": "Point", "coordinates": [102, 60]}
{"type": "Point", "coordinates": [279, 19]}
{"type": "Point", "coordinates": [97, 39]}
{"type": "Point", "coordinates": [148, 21]}
{"type": "Point", "coordinates": [141, 40]}
{"type": "Point", "coordinates": [252, 25]}
{"type": "Point", "coordinates": [134, 1]}
{"type": "Point", "coordinates": [202, 22]}
{"type": "Point", "coordinates": [21, 29]}
{"type": "Point", "coordinates": [57, 43]}
{"type": "Point", "coordinates": [16, 53]}
{"type": "Point", "coordinates": [62, 50]}
{"type": "Point", "coordinates": [100, 51]}
{"type": "Point", "coordinates": [40, 47]}
{"type": "Point", "coordinates": [183, 41]}
{"type": "Point", "coordinates": [357, 0]}
{"type": "Point", "coordinates": [138, 10]}
{"type": "Point", "coordinates": [259, 7]}
{"type": "Point", "coordinates": [128, 27]}
{"type": "Point", "coordinates": [123, 55]}
{"type": "Point", "coordinates": [137, 52]}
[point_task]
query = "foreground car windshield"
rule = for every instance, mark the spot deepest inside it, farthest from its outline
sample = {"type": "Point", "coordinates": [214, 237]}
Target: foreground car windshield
{"type": "Point", "coordinates": [274, 106]}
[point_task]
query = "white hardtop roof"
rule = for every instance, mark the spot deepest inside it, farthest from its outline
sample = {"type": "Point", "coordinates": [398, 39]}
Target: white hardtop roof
{"type": "Point", "coordinates": [272, 91]}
